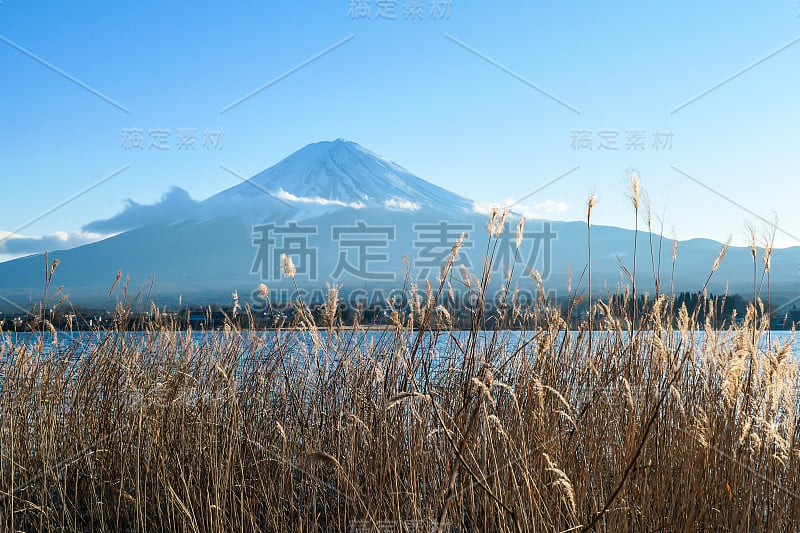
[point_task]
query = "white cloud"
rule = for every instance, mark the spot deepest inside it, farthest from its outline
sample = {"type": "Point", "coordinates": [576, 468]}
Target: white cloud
{"type": "Point", "coordinates": [396, 203]}
{"type": "Point", "coordinates": [289, 197]}
{"type": "Point", "coordinates": [484, 208]}
{"type": "Point", "coordinates": [542, 209]}
{"type": "Point", "coordinates": [16, 245]}
{"type": "Point", "coordinates": [175, 205]}
{"type": "Point", "coordinates": [548, 207]}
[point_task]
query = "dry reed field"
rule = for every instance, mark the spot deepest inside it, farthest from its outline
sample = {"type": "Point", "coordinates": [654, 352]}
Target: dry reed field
{"type": "Point", "coordinates": [634, 421]}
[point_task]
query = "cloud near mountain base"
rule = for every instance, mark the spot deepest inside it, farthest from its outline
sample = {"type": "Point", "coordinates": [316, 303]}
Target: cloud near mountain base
{"type": "Point", "coordinates": [18, 245]}
{"type": "Point", "coordinates": [544, 209]}
{"type": "Point", "coordinates": [175, 205]}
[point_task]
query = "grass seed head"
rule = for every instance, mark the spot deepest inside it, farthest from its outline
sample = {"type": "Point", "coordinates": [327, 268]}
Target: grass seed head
{"type": "Point", "coordinates": [287, 265]}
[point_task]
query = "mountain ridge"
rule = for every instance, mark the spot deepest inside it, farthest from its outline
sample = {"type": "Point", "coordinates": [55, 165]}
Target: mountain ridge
{"type": "Point", "coordinates": [357, 216]}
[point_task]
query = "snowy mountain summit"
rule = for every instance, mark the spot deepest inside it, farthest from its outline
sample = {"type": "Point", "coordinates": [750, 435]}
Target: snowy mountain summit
{"type": "Point", "coordinates": [342, 173]}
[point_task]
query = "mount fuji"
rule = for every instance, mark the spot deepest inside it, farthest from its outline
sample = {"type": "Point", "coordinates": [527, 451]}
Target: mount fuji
{"type": "Point", "coordinates": [348, 215]}
{"type": "Point", "coordinates": [341, 173]}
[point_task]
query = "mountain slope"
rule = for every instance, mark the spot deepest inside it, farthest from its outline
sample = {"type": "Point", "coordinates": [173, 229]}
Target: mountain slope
{"type": "Point", "coordinates": [363, 222]}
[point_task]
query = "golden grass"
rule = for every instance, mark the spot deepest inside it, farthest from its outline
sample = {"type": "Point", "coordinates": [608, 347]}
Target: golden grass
{"type": "Point", "coordinates": [652, 425]}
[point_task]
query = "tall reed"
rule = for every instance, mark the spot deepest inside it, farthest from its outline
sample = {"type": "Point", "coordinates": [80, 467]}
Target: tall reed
{"type": "Point", "coordinates": [415, 425]}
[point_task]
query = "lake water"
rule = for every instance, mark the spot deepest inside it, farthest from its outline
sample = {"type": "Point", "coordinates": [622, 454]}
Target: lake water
{"type": "Point", "coordinates": [77, 343]}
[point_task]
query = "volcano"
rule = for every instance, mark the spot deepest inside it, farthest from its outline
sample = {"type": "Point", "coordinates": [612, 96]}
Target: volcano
{"type": "Point", "coordinates": [350, 216]}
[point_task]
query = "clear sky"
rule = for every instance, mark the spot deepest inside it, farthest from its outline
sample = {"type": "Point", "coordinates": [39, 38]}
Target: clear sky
{"type": "Point", "coordinates": [490, 100]}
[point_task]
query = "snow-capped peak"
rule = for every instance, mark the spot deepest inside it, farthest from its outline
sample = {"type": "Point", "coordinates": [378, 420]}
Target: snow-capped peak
{"type": "Point", "coordinates": [341, 173]}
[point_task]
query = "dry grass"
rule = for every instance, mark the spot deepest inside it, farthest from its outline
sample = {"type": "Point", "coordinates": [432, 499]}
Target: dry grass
{"type": "Point", "coordinates": [673, 427]}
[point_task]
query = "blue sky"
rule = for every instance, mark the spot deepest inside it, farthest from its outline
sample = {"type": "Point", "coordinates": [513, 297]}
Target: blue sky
{"type": "Point", "coordinates": [442, 96]}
